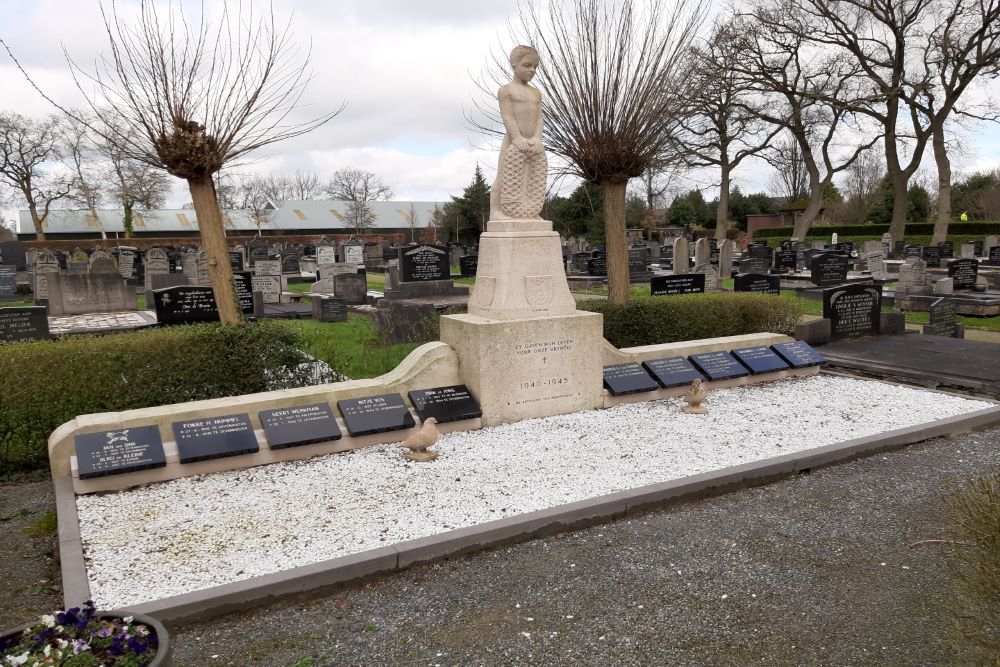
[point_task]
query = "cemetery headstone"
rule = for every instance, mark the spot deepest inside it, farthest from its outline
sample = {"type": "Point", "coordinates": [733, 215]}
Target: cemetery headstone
{"type": "Point", "coordinates": [214, 437]}
{"type": "Point", "coordinates": [8, 282]}
{"type": "Point", "coordinates": [322, 286]}
{"type": "Point", "coordinates": [912, 276]}
{"type": "Point", "coordinates": [691, 283]}
{"type": "Point", "coordinates": [760, 359]}
{"type": "Point", "coordinates": [828, 269]}
{"type": "Point", "coordinates": [784, 260]}
{"type": "Point", "coordinates": [354, 252]}
{"type": "Point", "coordinates": [682, 260]}
{"type": "Point", "coordinates": [853, 310]}
{"type": "Point", "coordinates": [116, 452]}
{"type": "Point", "coordinates": [597, 265]}
{"type": "Point", "coordinates": [757, 282]}
{"type": "Point", "coordinates": [963, 272]}
{"type": "Point", "coordinates": [326, 254]}
{"type": "Point", "coordinates": [754, 265]}
{"type": "Point", "coordinates": [942, 316]}
{"type": "Point", "coordinates": [887, 246]}
{"type": "Point", "coordinates": [672, 372]}
{"type": "Point", "coordinates": [799, 354]}
{"type": "Point", "coordinates": [267, 267]}
{"type": "Point", "coordinates": [947, 249]}
{"type": "Point", "coordinates": [876, 264]}
{"type": "Point", "coordinates": [23, 324]}
{"type": "Point", "coordinates": [268, 286]}
{"type": "Point", "coordinates": [711, 275]}
{"type": "Point", "coordinates": [913, 252]}
{"type": "Point", "coordinates": [236, 260]}
{"type": "Point", "coordinates": [967, 250]}
{"type": "Point", "coordinates": [126, 262]}
{"type": "Point", "coordinates": [243, 284]}
{"type": "Point", "coordinates": [352, 287]}
{"type": "Point", "coordinates": [977, 248]}
{"type": "Point", "coordinates": [726, 258]}
{"type": "Point", "coordinates": [375, 414]}
{"type": "Point", "coordinates": [290, 263]}
{"type": "Point", "coordinates": [944, 286]}
{"type": "Point", "coordinates": [329, 309]}
{"type": "Point", "coordinates": [445, 404]}
{"type": "Point", "coordinates": [932, 255]}
{"type": "Point", "coordinates": [301, 425]}
{"type": "Point", "coordinates": [424, 262]}
{"type": "Point", "coordinates": [994, 256]}
{"type": "Point", "coordinates": [718, 365]}
{"type": "Point", "coordinates": [467, 265]}
{"type": "Point", "coordinates": [628, 378]}
{"type": "Point", "coordinates": [702, 252]}
{"type": "Point", "coordinates": [74, 294]}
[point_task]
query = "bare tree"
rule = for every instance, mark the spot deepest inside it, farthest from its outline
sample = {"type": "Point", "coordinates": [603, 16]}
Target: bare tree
{"type": "Point", "coordinates": [191, 97]}
{"type": "Point", "coordinates": [614, 84]}
{"type": "Point", "coordinates": [861, 184]}
{"type": "Point", "coordinates": [790, 178]}
{"type": "Point", "coordinates": [136, 186]}
{"type": "Point", "coordinates": [81, 157]}
{"type": "Point", "coordinates": [359, 187]}
{"type": "Point", "coordinates": [413, 218]}
{"type": "Point", "coordinates": [26, 146]}
{"type": "Point", "coordinates": [726, 127]}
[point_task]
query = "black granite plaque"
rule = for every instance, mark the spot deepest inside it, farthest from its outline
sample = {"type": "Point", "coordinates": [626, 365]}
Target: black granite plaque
{"type": "Point", "coordinates": [375, 414]}
{"type": "Point", "coordinates": [827, 269]}
{"type": "Point", "coordinates": [718, 365]}
{"type": "Point", "coordinates": [963, 273]}
{"type": "Point", "coordinates": [757, 282]}
{"type": "Point", "coordinates": [853, 310]}
{"type": "Point", "coordinates": [760, 359]}
{"type": "Point", "coordinates": [931, 255]}
{"type": "Point", "coordinates": [290, 263]}
{"type": "Point", "coordinates": [799, 354]}
{"type": "Point", "coordinates": [236, 260]}
{"type": "Point", "coordinates": [942, 318]}
{"type": "Point", "coordinates": [445, 404]}
{"type": "Point", "coordinates": [185, 303]}
{"type": "Point", "coordinates": [23, 324]}
{"type": "Point", "coordinates": [683, 283]}
{"type": "Point", "coordinates": [977, 248]}
{"type": "Point", "coordinates": [467, 265]}
{"type": "Point", "coordinates": [214, 437]}
{"type": "Point", "coordinates": [329, 308]}
{"type": "Point", "coordinates": [947, 249]}
{"type": "Point", "coordinates": [243, 283]}
{"type": "Point", "coordinates": [424, 262]}
{"type": "Point", "coordinates": [597, 265]}
{"type": "Point", "coordinates": [753, 265]}
{"type": "Point", "coordinates": [8, 281]}
{"type": "Point", "coordinates": [994, 257]}
{"type": "Point", "coordinates": [628, 378]}
{"type": "Point", "coordinates": [763, 252]}
{"type": "Point", "coordinates": [638, 260]}
{"type": "Point", "coordinates": [302, 425]}
{"type": "Point", "coordinates": [673, 372]}
{"type": "Point", "coordinates": [913, 251]}
{"type": "Point", "coordinates": [785, 259]}
{"type": "Point", "coordinates": [117, 452]}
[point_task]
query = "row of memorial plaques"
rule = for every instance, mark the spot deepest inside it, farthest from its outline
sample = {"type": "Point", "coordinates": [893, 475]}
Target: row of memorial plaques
{"type": "Point", "coordinates": [140, 448]}
{"type": "Point", "coordinates": [632, 378]}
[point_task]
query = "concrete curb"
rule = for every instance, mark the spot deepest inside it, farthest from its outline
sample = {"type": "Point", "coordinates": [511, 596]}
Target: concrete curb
{"type": "Point", "coordinates": [309, 579]}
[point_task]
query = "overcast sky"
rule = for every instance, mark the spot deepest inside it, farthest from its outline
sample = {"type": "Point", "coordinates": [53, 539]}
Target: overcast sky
{"type": "Point", "coordinates": [405, 69]}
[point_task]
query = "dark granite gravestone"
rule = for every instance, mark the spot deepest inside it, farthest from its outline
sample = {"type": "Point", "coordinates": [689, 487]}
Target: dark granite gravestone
{"type": "Point", "coordinates": [597, 265]}
{"type": "Point", "coordinates": [764, 252]}
{"type": "Point", "coordinates": [785, 259]}
{"type": "Point", "coordinates": [977, 247]}
{"type": "Point", "coordinates": [827, 269]}
{"type": "Point", "coordinates": [302, 425]}
{"type": "Point", "coordinates": [117, 452]}
{"type": "Point", "coordinates": [638, 260]}
{"type": "Point", "coordinates": [185, 303]}
{"type": "Point", "coordinates": [236, 260]}
{"type": "Point", "coordinates": [629, 378]}
{"type": "Point", "coordinates": [351, 287]}
{"type": "Point", "coordinates": [8, 282]}
{"type": "Point", "coordinates": [290, 263]}
{"type": "Point", "coordinates": [685, 283]}
{"type": "Point", "coordinates": [446, 404]}
{"type": "Point", "coordinates": [947, 249]}
{"type": "Point", "coordinates": [963, 273]}
{"type": "Point", "coordinates": [757, 282]}
{"type": "Point", "coordinates": [913, 251]}
{"type": "Point", "coordinates": [214, 437]}
{"type": "Point", "coordinates": [467, 265]}
{"type": "Point", "coordinates": [23, 324]}
{"type": "Point", "coordinates": [243, 283]}
{"type": "Point", "coordinates": [896, 249]}
{"type": "Point", "coordinates": [375, 414]}
{"type": "Point", "coordinates": [14, 252]}
{"type": "Point", "coordinates": [579, 261]}
{"type": "Point", "coordinates": [760, 359]}
{"type": "Point", "coordinates": [942, 318]}
{"type": "Point", "coordinates": [799, 354]}
{"type": "Point", "coordinates": [424, 262]}
{"type": "Point", "coordinates": [673, 372]}
{"type": "Point", "coordinates": [753, 265]}
{"type": "Point", "coordinates": [329, 308]}
{"type": "Point", "coordinates": [853, 310]}
{"type": "Point", "coordinates": [718, 365]}
{"type": "Point", "coordinates": [931, 255]}
{"type": "Point", "coordinates": [994, 257]}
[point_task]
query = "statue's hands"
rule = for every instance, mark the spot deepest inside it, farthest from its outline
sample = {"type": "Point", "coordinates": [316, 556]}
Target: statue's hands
{"type": "Point", "coordinates": [528, 145]}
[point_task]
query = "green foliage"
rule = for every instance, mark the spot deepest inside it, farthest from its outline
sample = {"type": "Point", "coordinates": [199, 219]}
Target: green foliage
{"type": "Point", "coordinates": [652, 320]}
{"type": "Point", "coordinates": [580, 214]}
{"type": "Point", "coordinates": [47, 383]}
{"type": "Point", "coordinates": [470, 212]}
{"type": "Point", "coordinates": [741, 205]}
{"type": "Point", "coordinates": [977, 229]}
{"type": "Point", "coordinates": [918, 204]}
{"type": "Point", "coordinates": [46, 524]}
{"type": "Point", "coordinates": [974, 516]}
{"type": "Point", "coordinates": [691, 209]}
{"type": "Point", "coordinates": [350, 347]}
{"type": "Point", "coordinates": [978, 195]}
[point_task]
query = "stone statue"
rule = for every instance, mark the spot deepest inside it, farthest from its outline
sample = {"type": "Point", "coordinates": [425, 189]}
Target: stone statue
{"type": "Point", "coordinates": [519, 189]}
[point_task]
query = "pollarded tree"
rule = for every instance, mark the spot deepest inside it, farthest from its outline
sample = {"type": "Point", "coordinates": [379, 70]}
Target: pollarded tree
{"type": "Point", "coordinates": [614, 82]}
{"type": "Point", "coordinates": [190, 97]}
{"type": "Point", "coordinates": [26, 146]}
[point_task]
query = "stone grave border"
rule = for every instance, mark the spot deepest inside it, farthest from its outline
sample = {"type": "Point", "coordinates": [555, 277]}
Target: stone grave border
{"type": "Point", "coordinates": [435, 364]}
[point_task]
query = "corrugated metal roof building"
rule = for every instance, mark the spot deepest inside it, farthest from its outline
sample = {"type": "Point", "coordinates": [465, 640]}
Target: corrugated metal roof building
{"type": "Point", "coordinates": [289, 217]}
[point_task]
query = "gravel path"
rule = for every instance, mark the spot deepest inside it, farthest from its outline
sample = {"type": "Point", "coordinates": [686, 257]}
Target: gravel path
{"type": "Point", "coordinates": [812, 570]}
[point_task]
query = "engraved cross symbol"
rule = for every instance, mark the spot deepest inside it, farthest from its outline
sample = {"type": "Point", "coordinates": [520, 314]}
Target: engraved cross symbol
{"type": "Point", "coordinates": [543, 359]}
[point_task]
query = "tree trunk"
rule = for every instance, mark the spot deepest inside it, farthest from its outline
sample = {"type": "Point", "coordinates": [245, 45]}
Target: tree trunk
{"type": "Point", "coordinates": [33, 210]}
{"type": "Point", "coordinates": [127, 219]}
{"type": "Point", "coordinates": [897, 227]}
{"type": "Point", "coordinates": [614, 232]}
{"type": "Point", "coordinates": [805, 221]}
{"type": "Point", "coordinates": [213, 240]}
{"type": "Point", "coordinates": [944, 187]}
{"type": "Point", "coordinates": [722, 211]}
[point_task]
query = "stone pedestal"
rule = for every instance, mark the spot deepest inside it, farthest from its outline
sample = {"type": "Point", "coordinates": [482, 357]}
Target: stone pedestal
{"type": "Point", "coordinates": [538, 367]}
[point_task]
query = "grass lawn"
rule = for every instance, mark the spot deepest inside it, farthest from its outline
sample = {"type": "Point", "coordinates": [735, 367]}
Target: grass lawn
{"type": "Point", "coordinates": [350, 347]}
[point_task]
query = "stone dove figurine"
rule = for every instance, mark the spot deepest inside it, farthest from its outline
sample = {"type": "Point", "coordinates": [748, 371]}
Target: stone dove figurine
{"type": "Point", "coordinates": [695, 394]}
{"type": "Point", "coordinates": [421, 440]}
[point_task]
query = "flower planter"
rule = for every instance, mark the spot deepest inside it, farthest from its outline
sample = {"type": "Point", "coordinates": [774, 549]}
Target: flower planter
{"type": "Point", "coordinates": [163, 648]}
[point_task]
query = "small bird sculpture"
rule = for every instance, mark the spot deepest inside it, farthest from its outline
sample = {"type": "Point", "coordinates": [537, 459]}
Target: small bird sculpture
{"type": "Point", "coordinates": [421, 440]}
{"type": "Point", "coordinates": [695, 394]}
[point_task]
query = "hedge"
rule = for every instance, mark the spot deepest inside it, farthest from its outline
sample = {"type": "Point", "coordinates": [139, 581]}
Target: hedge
{"type": "Point", "coordinates": [913, 228]}
{"type": "Point", "coordinates": [47, 383]}
{"type": "Point", "coordinates": [667, 319]}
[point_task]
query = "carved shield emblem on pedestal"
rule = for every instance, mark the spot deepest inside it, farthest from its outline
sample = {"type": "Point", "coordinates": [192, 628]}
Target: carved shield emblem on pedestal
{"type": "Point", "coordinates": [538, 290]}
{"type": "Point", "coordinates": [483, 291]}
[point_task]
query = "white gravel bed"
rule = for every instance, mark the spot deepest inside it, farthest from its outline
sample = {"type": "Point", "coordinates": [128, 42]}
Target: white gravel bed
{"type": "Point", "coordinates": [196, 532]}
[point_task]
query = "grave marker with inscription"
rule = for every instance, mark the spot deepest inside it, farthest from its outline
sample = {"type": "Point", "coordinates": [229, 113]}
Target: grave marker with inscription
{"type": "Point", "coordinates": [718, 365]}
{"type": "Point", "coordinates": [117, 452]}
{"type": "Point", "coordinates": [24, 324]}
{"type": "Point", "coordinates": [690, 283]}
{"type": "Point", "coordinates": [942, 316]}
{"type": "Point", "coordinates": [300, 425]}
{"type": "Point", "coordinates": [757, 282]}
{"type": "Point", "coordinates": [8, 282]}
{"type": "Point", "coordinates": [375, 414]}
{"type": "Point", "coordinates": [424, 262]}
{"type": "Point", "coordinates": [445, 404]}
{"type": "Point", "coordinates": [799, 354]}
{"type": "Point", "coordinates": [760, 359]}
{"type": "Point", "coordinates": [214, 437]}
{"type": "Point", "coordinates": [963, 273]}
{"type": "Point", "coordinates": [853, 310]}
{"type": "Point", "coordinates": [628, 378]}
{"type": "Point", "coordinates": [329, 308]}
{"type": "Point", "coordinates": [828, 269]}
{"type": "Point", "coordinates": [673, 371]}
{"type": "Point", "coordinates": [352, 287]}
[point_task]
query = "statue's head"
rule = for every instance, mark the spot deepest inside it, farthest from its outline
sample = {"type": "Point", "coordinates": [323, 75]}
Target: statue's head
{"type": "Point", "coordinates": [524, 61]}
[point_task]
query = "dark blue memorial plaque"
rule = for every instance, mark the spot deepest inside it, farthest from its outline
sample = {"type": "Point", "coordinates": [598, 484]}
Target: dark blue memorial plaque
{"type": "Point", "coordinates": [760, 359]}
{"type": "Point", "coordinates": [799, 354]}
{"type": "Point", "coordinates": [718, 365]}
{"type": "Point", "coordinates": [685, 283]}
{"type": "Point", "coordinates": [630, 378]}
{"type": "Point", "coordinates": [116, 452]}
{"type": "Point", "coordinates": [301, 425]}
{"type": "Point", "coordinates": [375, 414]}
{"type": "Point", "coordinates": [214, 437]}
{"type": "Point", "coordinates": [446, 404]}
{"type": "Point", "coordinates": [673, 372]}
